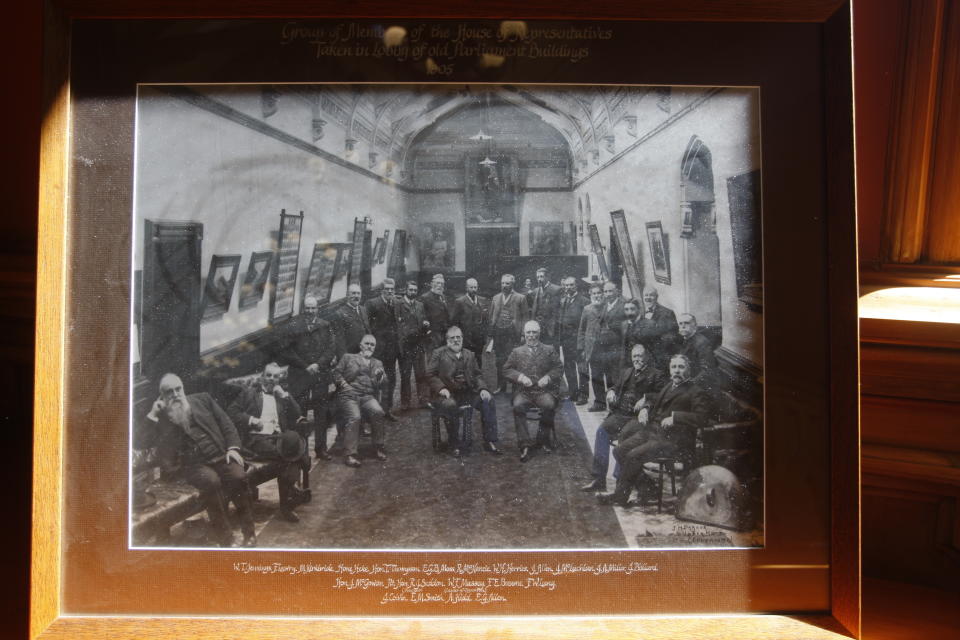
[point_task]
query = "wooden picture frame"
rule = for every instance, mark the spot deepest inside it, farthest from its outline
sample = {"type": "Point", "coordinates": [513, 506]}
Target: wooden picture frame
{"type": "Point", "coordinates": [659, 252]}
{"type": "Point", "coordinates": [621, 232]}
{"type": "Point", "coordinates": [220, 285]}
{"type": "Point", "coordinates": [321, 273]}
{"type": "Point", "coordinates": [380, 248]}
{"type": "Point", "coordinates": [255, 282]}
{"type": "Point", "coordinates": [438, 243]}
{"type": "Point", "coordinates": [548, 239]}
{"type": "Point", "coordinates": [597, 249]}
{"type": "Point", "coordinates": [66, 561]}
{"type": "Point", "coordinates": [398, 255]}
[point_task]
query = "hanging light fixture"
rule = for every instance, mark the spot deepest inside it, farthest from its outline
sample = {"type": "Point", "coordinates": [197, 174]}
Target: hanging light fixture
{"type": "Point", "coordinates": [487, 162]}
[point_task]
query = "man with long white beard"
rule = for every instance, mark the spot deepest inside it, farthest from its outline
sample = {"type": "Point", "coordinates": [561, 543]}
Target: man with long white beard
{"type": "Point", "coordinates": [194, 433]}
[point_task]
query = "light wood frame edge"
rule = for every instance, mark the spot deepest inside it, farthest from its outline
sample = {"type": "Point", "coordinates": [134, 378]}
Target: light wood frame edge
{"type": "Point", "coordinates": [46, 620]}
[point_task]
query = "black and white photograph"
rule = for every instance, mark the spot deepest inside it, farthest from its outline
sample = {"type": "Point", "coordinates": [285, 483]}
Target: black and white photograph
{"type": "Point", "coordinates": [536, 369]}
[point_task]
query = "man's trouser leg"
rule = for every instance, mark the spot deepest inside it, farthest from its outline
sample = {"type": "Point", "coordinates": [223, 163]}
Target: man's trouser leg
{"type": "Point", "coordinates": [633, 459]}
{"type": "Point", "coordinates": [504, 342]}
{"type": "Point", "coordinates": [597, 379]}
{"type": "Point", "coordinates": [521, 404]}
{"type": "Point", "coordinates": [609, 429]}
{"type": "Point", "coordinates": [548, 406]}
{"type": "Point", "coordinates": [350, 425]}
{"type": "Point", "coordinates": [268, 448]}
{"type": "Point", "coordinates": [449, 410]}
{"type": "Point", "coordinates": [488, 418]}
{"type": "Point", "coordinates": [372, 412]}
{"type": "Point", "coordinates": [406, 358]}
{"type": "Point", "coordinates": [570, 369]}
{"type": "Point", "coordinates": [389, 359]}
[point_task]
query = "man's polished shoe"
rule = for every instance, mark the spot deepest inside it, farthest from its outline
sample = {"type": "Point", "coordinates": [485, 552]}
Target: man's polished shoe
{"type": "Point", "coordinates": [389, 416]}
{"type": "Point", "coordinates": [352, 461]}
{"type": "Point", "coordinates": [492, 448]}
{"type": "Point", "coordinates": [381, 455]}
{"type": "Point", "coordinates": [595, 485]}
{"type": "Point", "coordinates": [456, 453]}
{"type": "Point", "coordinates": [545, 448]}
{"type": "Point", "coordinates": [598, 406]}
{"type": "Point", "coordinates": [614, 498]}
{"type": "Point", "coordinates": [323, 455]}
{"type": "Point", "coordinates": [288, 515]}
{"type": "Point", "coordinates": [582, 400]}
{"type": "Point", "coordinates": [249, 540]}
{"type": "Point", "coordinates": [524, 454]}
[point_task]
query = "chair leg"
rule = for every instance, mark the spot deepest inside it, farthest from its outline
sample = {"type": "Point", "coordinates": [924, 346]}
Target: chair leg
{"type": "Point", "coordinates": [673, 478]}
{"type": "Point", "coordinates": [660, 489]}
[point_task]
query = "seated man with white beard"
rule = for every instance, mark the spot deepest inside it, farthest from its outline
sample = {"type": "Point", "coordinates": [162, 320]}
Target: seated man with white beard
{"type": "Point", "coordinates": [266, 416]}
{"type": "Point", "coordinates": [194, 433]}
{"type": "Point", "coordinates": [358, 377]}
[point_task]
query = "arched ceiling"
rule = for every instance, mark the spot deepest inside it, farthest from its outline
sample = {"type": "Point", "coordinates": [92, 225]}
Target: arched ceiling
{"type": "Point", "coordinates": [389, 118]}
{"type": "Point", "coordinates": [379, 124]}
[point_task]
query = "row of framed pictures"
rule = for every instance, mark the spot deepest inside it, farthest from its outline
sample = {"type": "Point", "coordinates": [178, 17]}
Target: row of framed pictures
{"type": "Point", "coordinates": [657, 242]}
{"type": "Point", "coordinates": [328, 262]}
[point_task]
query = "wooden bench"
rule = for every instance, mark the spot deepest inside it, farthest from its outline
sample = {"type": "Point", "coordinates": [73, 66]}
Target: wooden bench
{"type": "Point", "coordinates": [177, 501]}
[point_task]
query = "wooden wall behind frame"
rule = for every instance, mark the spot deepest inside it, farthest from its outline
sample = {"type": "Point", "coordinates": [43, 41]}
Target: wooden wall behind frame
{"type": "Point", "coordinates": [46, 618]}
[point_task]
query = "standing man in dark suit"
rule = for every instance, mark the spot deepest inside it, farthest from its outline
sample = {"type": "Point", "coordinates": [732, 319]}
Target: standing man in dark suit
{"type": "Point", "coordinates": [667, 427]}
{"type": "Point", "coordinates": [656, 326]}
{"type": "Point", "coordinates": [385, 327]}
{"type": "Point", "coordinates": [471, 313]}
{"type": "Point", "coordinates": [456, 381]}
{"type": "Point", "coordinates": [636, 384]}
{"type": "Point", "coordinates": [508, 312]}
{"type": "Point", "coordinates": [266, 417]}
{"type": "Point", "coordinates": [544, 300]}
{"type": "Point", "coordinates": [438, 313]}
{"type": "Point", "coordinates": [535, 370]}
{"type": "Point", "coordinates": [194, 433]}
{"type": "Point", "coordinates": [310, 350]}
{"type": "Point", "coordinates": [587, 340]}
{"type": "Point", "coordinates": [631, 309]}
{"type": "Point", "coordinates": [567, 334]}
{"type": "Point", "coordinates": [607, 355]}
{"type": "Point", "coordinates": [412, 331]}
{"type": "Point", "coordinates": [352, 322]}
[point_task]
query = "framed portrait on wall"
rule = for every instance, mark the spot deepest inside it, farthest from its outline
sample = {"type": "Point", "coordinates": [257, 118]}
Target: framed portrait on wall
{"type": "Point", "coordinates": [287, 258]}
{"type": "Point", "coordinates": [481, 138]}
{"type": "Point", "coordinates": [659, 252]}
{"type": "Point", "coordinates": [255, 282]}
{"type": "Point", "coordinates": [322, 271]}
{"type": "Point", "coordinates": [548, 239]}
{"type": "Point", "coordinates": [596, 248]}
{"type": "Point", "coordinates": [437, 246]}
{"type": "Point", "coordinates": [221, 281]}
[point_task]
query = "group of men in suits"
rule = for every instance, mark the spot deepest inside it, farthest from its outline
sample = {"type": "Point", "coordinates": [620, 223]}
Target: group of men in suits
{"type": "Point", "coordinates": [345, 370]}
